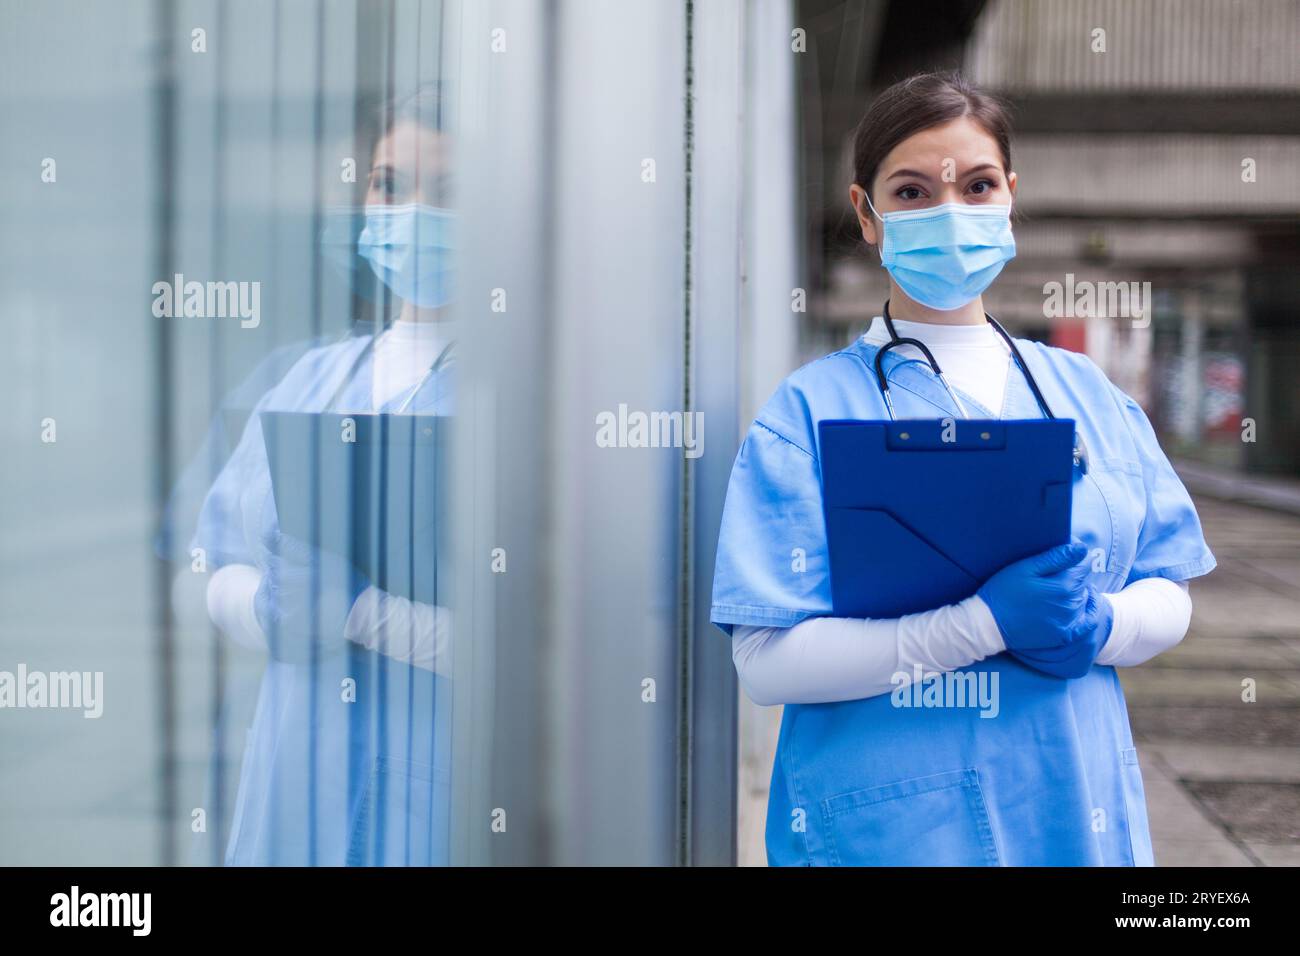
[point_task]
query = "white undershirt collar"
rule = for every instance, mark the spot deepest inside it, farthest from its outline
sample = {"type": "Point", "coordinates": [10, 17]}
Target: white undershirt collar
{"type": "Point", "coordinates": [933, 335]}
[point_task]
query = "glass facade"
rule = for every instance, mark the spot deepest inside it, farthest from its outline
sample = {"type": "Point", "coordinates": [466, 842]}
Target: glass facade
{"type": "Point", "coordinates": [231, 409]}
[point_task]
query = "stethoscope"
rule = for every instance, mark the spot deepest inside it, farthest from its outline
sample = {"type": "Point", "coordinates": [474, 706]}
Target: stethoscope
{"type": "Point", "coordinates": [895, 340]}
{"type": "Point", "coordinates": [442, 360]}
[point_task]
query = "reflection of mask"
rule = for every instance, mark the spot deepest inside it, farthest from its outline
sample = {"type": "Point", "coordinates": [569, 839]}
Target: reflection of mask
{"type": "Point", "coordinates": [338, 247]}
{"type": "Point", "coordinates": [946, 256]}
{"type": "Point", "coordinates": [409, 247]}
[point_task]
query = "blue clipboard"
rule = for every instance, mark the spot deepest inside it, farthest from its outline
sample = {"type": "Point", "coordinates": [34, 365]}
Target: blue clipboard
{"type": "Point", "coordinates": [379, 499]}
{"type": "Point", "coordinates": [914, 522]}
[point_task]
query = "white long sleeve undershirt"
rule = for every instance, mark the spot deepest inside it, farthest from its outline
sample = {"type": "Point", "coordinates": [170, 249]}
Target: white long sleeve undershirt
{"type": "Point", "coordinates": [974, 358]}
{"type": "Point", "coordinates": [828, 658]}
{"type": "Point", "coordinates": [389, 624]}
{"type": "Point", "coordinates": [825, 659]}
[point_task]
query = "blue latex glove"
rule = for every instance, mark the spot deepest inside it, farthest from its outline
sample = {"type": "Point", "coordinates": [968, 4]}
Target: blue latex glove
{"type": "Point", "coordinates": [1039, 602]}
{"type": "Point", "coordinates": [304, 598]}
{"type": "Point", "coordinates": [1075, 658]}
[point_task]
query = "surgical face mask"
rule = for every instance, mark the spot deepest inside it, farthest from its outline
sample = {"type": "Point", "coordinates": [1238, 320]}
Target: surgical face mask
{"type": "Point", "coordinates": [338, 247]}
{"type": "Point", "coordinates": [947, 255]}
{"type": "Point", "coordinates": [409, 247]}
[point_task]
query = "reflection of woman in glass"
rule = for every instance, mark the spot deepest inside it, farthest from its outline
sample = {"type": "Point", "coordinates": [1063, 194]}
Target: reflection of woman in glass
{"type": "Point", "coordinates": [347, 760]}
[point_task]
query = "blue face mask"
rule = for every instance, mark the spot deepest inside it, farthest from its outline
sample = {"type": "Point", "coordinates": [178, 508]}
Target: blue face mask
{"type": "Point", "coordinates": [338, 247]}
{"type": "Point", "coordinates": [410, 248]}
{"type": "Point", "coordinates": [945, 256]}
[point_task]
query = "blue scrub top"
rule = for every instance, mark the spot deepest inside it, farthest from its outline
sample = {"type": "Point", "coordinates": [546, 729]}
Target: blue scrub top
{"type": "Point", "coordinates": [1051, 776]}
{"type": "Point", "coordinates": [346, 762]}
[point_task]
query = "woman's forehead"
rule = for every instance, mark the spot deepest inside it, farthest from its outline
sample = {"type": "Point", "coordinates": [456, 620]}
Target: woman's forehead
{"type": "Point", "coordinates": [962, 141]}
{"type": "Point", "coordinates": [411, 145]}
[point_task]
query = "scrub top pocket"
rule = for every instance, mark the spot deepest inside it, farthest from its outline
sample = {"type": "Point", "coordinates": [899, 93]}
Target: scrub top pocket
{"type": "Point", "coordinates": [403, 816]}
{"type": "Point", "coordinates": [935, 820]}
{"type": "Point", "coordinates": [1135, 807]}
{"type": "Point", "coordinates": [1109, 504]}
{"type": "Point", "coordinates": [1116, 484]}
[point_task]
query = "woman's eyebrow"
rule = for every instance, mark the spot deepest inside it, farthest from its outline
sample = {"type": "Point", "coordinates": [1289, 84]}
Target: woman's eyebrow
{"type": "Point", "coordinates": [906, 172]}
{"type": "Point", "coordinates": [918, 175]}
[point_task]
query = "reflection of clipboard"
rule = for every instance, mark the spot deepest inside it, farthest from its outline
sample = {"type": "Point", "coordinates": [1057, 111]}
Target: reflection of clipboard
{"type": "Point", "coordinates": [914, 522]}
{"type": "Point", "coordinates": [370, 488]}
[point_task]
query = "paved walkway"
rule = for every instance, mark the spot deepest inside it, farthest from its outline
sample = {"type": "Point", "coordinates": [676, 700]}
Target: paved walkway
{"type": "Point", "coordinates": [1222, 776]}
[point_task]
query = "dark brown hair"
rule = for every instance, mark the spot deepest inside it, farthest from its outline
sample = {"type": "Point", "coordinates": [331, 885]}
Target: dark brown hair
{"type": "Point", "coordinates": [919, 103]}
{"type": "Point", "coordinates": [425, 107]}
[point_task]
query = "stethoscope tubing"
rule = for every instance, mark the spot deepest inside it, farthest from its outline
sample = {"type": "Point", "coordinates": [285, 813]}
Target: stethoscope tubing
{"type": "Point", "coordinates": [895, 340]}
{"type": "Point", "coordinates": [438, 363]}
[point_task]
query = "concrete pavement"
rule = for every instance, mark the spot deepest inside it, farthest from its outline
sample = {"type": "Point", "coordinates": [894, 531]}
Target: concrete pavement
{"type": "Point", "coordinates": [1222, 774]}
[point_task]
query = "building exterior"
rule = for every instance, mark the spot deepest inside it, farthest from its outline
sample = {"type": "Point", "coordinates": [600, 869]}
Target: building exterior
{"type": "Point", "coordinates": [1158, 153]}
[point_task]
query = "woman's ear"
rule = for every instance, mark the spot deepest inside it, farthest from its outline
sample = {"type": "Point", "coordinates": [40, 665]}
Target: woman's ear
{"type": "Point", "coordinates": [866, 221]}
{"type": "Point", "coordinates": [1011, 184]}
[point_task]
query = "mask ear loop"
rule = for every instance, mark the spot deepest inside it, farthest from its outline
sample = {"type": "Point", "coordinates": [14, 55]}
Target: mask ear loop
{"type": "Point", "coordinates": [867, 197]}
{"type": "Point", "coordinates": [879, 246]}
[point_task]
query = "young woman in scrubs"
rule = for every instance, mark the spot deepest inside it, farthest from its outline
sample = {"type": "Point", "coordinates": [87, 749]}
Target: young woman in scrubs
{"type": "Point", "coordinates": [1046, 773]}
{"type": "Point", "coordinates": [346, 762]}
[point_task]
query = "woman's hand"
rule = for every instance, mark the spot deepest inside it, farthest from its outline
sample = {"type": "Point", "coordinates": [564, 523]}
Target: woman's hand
{"type": "Point", "coordinates": [1075, 658]}
{"type": "Point", "coordinates": [304, 597]}
{"type": "Point", "coordinates": [1050, 617]}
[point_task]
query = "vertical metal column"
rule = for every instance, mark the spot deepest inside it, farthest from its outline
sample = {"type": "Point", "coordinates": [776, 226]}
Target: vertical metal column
{"type": "Point", "coordinates": [716, 214]}
{"type": "Point", "coordinates": [623, 169]}
{"type": "Point", "coordinates": [164, 231]}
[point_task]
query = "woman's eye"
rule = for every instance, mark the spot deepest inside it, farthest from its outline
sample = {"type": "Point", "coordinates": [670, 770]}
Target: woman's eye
{"type": "Point", "coordinates": [909, 193]}
{"type": "Point", "coordinates": [383, 183]}
{"type": "Point", "coordinates": [983, 187]}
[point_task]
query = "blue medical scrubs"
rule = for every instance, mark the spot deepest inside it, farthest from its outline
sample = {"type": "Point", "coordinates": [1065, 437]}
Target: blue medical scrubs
{"type": "Point", "coordinates": [1052, 779]}
{"type": "Point", "coordinates": [347, 761]}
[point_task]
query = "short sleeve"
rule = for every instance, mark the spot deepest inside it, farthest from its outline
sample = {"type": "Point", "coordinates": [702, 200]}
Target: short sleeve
{"type": "Point", "coordinates": [771, 568]}
{"type": "Point", "coordinates": [220, 529]}
{"type": "Point", "coordinates": [224, 530]}
{"type": "Point", "coordinates": [1171, 543]}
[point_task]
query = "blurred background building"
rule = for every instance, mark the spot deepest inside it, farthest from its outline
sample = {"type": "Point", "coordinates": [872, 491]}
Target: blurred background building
{"type": "Point", "coordinates": [1155, 142]}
